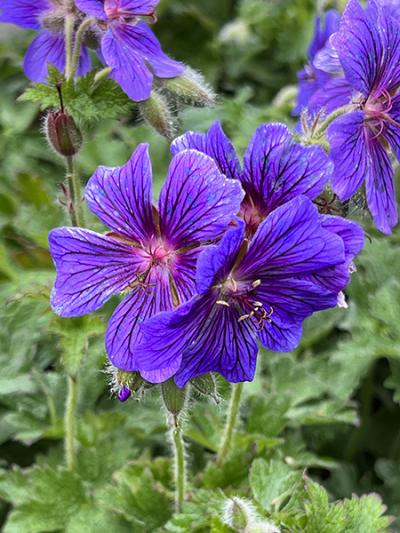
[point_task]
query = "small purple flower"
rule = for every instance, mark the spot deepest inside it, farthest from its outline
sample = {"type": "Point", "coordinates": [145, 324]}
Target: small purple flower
{"type": "Point", "coordinates": [318, 70]}
{"type": "Point", "coordinates": [128, 45]}
{"type": "Point", "coordinates": [150, 254]}
{"type": "Point", "coordinates": [277, 170]}
{"type": "Point", "coordinates": [47, 17]}
{"type": "Point", "coordinates": [368, 44]}
{"type": "Point", "coordinates": [262, 290]}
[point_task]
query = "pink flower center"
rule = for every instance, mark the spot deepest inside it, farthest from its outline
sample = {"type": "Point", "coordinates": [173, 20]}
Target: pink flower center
{"type": "Point", "coordinates": [159, 254]}
{"type": "Point", "coordinates": [377, 113]}
{"type": "Point", "coordinates": [253, 217]}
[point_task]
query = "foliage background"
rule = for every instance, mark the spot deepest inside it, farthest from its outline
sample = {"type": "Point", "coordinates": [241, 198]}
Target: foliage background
{"type": "Point", "coordinates": [329, 412]}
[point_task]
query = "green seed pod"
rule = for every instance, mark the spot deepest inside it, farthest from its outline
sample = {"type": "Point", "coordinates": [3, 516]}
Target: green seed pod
{"type": "Point", "coordinates": [173, 397]}
{"type": "Point", "coordinates": [189, 89]}
{"type": "Point", "coordinates": [62, 133]}
{"type": "Point", "coordinates": [157, 113]}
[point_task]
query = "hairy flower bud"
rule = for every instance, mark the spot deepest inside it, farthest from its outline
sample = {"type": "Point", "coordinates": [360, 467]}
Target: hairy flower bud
{"type": "Point", "coordinates": [156, 111]}
{"type": "Point", "coordinates": [62, 133]}
{"type": "Point", "coordinates": [190, 89]}
{"type": "Point", "coordinates": [241, 516]}
{"type": "Point", "coordinates": [173, 397]}
{"type": "Point", "coordinates": [206, 386]}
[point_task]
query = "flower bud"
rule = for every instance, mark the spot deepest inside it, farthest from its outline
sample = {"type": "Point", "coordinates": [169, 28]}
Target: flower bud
{"type": "Point", "coordinates": [62, 133]}
{"type": "Point", "coordinates": [241, 516]}
{"type": "Point", "coordinates": [206, 386]}
{"type": "Point", "coordinates": [124, 394]}
{"type": "Point", "coordinates": [157, 113]}
{"type": "Point", "coordinates": [173, 397]}
{"type": "Point", "coordinates": [190, 89]}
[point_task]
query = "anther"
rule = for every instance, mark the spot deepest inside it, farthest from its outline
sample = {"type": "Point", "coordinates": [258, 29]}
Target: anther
{"type": "Point", "coordinates": [222, 302]}
{"type": "Point", "coordinates": [256, 283]}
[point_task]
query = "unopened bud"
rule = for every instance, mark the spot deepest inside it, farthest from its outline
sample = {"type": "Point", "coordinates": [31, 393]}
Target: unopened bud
{"type": "Point", "coordinates": [190, 89]}
{"type": "Point", "coordinates": [62, 133]}
{"type": "Point", "coordinates": [124, 394]}
{"type": "Point", "coordinates": [156, 111]}
{"type": "Point", "coordinates": [173, 397]}
{"type": "Point", "coordinates": [206, 386]}
{"type": "Point", "coordinates": [241, 516]}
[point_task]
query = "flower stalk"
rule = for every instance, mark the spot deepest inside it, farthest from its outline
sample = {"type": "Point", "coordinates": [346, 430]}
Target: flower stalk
{"type": "Point", "coordinates": [74, 191]}
{"type": "Point", "coordinates": [180, 462]}
{"type": "Point", "coordinates": [76, 53]}
{"type": "Point", "coordinates": [233, 411]}
{"type": "Point", "coordinates": [70, 423]}
{"type": "Point", "coordinates": [69, 37]}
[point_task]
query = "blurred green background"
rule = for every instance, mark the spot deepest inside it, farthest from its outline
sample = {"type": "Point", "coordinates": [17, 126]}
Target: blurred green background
{"type": "Point", "coordinates": [331, 408]}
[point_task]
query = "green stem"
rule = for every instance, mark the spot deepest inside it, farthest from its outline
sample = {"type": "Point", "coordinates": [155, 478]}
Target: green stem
{"type": "Point", "coordinates": [74, 192]}
{"type": "Point", "coordinates": [70, 423]}
{"type": "Point", "coordinates": [79, 36]}
{"type": "Point", "coordinates": [330, 118]}
{"type": "Point", "coordinates": [233, 411]}
{"type": "Point", "coordinates": [180, 463]}
{"type": "Point", "coordinates": [69, 33]}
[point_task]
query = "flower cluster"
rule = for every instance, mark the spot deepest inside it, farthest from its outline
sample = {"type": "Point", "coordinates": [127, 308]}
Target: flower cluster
{"type": "Point", "coordinates": [359, 68]}
{"type": "Point", "coordinates": [228, 258]}
{"type": "Point", "coordinates": [116, 29]}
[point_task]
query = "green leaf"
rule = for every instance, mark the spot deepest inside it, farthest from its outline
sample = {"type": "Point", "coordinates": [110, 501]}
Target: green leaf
{"type": "Point", "coordinates": [45, 499]}
{"type": "Point", "coordinates": [271, 482]}
{"type": "Point", "coordinates": [74, 339]}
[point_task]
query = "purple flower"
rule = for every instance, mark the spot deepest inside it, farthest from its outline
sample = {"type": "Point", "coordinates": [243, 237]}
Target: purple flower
{"type": "Point", "coordinates": [368, 44]}
{"type": "Point", "coordinates": [321, 60]}
{"type": "Point", "coordinates": [128, 45]}
{"type": "Point", "coordinates": [261, 293]}
{"type": "Point", "coordinates": [277, 170]}
{"type": "Point", "coordinates": [150, 253]}
{"type": "Point", "coordinates": [47, 17]}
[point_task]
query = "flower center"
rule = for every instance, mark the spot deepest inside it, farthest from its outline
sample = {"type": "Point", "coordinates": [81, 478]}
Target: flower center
{"type": "Point", "coordinates": [159, 253]}
{"type": "Point", "coordinates": [242, 295]}
{"type": "Point", "coordinates": [253, 216]}
{"type": "Point", "coordinates": [376, 110]}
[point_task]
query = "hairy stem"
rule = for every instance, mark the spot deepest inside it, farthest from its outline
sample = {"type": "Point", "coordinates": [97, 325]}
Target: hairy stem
{"type": "Point", "coordinates": [180, 462]}
{"type": "Point", "coordinates": [69, 34]}
{"type": "Point", "coordinates": [79, 36]}
{"type": "Point", "coordinates": [233, 411]}
{"type": "Point", "coordinates": [74, 192]}
{"type": "Point", "coordinates": [70, 423]}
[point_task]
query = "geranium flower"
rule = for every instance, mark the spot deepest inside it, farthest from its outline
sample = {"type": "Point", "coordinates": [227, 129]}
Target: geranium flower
{"type": "Point", "coordinates": [261, 293]}
{"type": "Point", "coordinates": [368, 45]}
{"type": "Point", "coordinates": [277, 170]}
{"type": "Point", "coordinates": [128, 45]}
{"type": "Point", "coordinates": [150, 254]}
{"type": "Point", "coordinates": [47, 17]}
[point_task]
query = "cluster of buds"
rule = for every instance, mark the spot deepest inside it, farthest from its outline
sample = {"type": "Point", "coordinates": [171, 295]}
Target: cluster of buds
{"type": "Point", "coordinates": [170, 95]}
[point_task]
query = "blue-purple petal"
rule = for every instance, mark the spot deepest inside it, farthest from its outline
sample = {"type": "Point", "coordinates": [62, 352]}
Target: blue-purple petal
{"type": "Point", "coordinates": [45, 49]}
{"type": "Point", "coordinates": [122, 197]}
{"type": "Point", "coordinates": [90, 269]}
{"type": "Point", "coordinates": [24, 13]}
{"type": "Point", "coordinates": [196, 202]}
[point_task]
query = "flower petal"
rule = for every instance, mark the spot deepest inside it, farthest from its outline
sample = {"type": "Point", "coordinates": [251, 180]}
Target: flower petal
{"type": "Point", "coordinates": [129, 69]}
{"type": "Point", "coordinates": [215, 262]}
{"type": "Point", "coordinates": [196, 202]}
{"type": "Point", "coordinates": [90, 269]}
{"type": "Point", "coordinates": [291, 241]}
{"type": "Point", "coordinates": [24, 13]}
{"type": "Point", "coordinates": [349, 152]}
{"type": "Point", "coordinates": [380, 188]}
{"type": "Point", "coordinates": [277, 170]}
{"type": "Point", "coordinates": [333, 94]}
{"type": "Point", "coordinates": [122, 197]}
{"type": "Point", "coordinates": [131, 8]}
{"type": "Point", "coordinates": [351, 233]}
{"type": "Point", "coordinates": [209, 336]}
{"type": "Point", "coordinates": [142, 39]}
{"type": "Point", "coordinates": [214, 143]}
{"type": "Point", "coordinates": [281, 339]}
{"type": "Point", "coordinates": [292, 300]}
{"type": "Point", "coordinates": [124, 328]}
{"type": "Point", "coordinates": [47, 48]}
{"type": "Point", "coordinates": [94, 8]}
